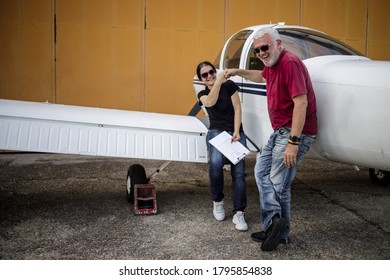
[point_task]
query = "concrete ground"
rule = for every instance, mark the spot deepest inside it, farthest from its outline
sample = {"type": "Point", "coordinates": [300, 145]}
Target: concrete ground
{"type": "Point", "coordinates": [74, 207]}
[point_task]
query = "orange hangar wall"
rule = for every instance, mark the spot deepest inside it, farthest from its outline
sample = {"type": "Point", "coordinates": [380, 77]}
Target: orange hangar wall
{"type": "Point", "coordinates": [26, 50]}
{"type": "Point", "coordinates": [362, 24]}
{"type": "Point", "coordinates": [141, 54]}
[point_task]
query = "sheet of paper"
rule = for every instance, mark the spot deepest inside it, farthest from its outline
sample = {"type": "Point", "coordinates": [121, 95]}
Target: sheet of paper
{"type": "Point", "coordinates": [233, 151]}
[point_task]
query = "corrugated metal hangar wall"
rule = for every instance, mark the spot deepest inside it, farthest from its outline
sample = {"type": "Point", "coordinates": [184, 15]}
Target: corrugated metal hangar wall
{"type": "Point", "coordinates": [141, 54]}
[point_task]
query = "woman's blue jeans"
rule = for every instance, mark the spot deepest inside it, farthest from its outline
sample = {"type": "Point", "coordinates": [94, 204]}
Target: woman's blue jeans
{"type": "Point", "coordinates": [216, 162]}
{"type": "Point", "coordinates": [274, 179]}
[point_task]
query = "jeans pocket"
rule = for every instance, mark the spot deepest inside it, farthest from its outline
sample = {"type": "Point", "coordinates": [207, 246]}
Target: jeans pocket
{"type": "Point", "coordinates": [306, 142]}
{"type": "Point", "coordinates": [283, 131]}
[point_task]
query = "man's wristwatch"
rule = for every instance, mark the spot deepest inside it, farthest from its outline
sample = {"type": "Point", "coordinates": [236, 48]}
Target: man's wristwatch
{"type": "Point", "coordinates": [293, 140]}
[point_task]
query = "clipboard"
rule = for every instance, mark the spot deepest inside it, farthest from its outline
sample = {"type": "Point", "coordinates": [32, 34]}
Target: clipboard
{"type": "Point", "coordinates": [233, 151]}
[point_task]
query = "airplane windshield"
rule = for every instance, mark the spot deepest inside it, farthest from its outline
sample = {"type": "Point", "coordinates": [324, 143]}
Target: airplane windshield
{"type": "Point", "coordinates": [306, 45]}
{"type": "Point", "coordinates": [318, 46]}
{"type": "Point", "coordinates": [309, 44]}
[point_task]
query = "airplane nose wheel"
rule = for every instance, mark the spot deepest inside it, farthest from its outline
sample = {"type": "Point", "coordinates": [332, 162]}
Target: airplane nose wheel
{"type": "Point", "coordinates": [135, 175]}
{"type": "Point", "coordinates": [379, 177]}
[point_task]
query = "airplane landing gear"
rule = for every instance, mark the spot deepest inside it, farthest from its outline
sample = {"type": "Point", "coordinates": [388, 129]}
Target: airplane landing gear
{"type": "Point", "coordinates": [379, 177]}
{"type": "Point", "coordinates": [135, 175]}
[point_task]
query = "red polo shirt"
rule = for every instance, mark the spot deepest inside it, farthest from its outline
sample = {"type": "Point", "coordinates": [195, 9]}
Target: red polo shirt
{"type": "Point", "coordinates": [287, 79]}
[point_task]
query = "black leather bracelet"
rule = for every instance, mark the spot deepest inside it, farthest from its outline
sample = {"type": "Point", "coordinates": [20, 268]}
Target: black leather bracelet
{"type": "Point", "coordinates": [292, 142]}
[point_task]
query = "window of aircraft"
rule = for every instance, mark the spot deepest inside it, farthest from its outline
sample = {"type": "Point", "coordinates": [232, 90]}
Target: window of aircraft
{"type": "Point", "coordinates": [319, 46]}
{"type": "Point", "coordinates": [253, 62]}
{"type": "Point", "coordinates": [234, 49]}
{"type": "Point", "coordinates": [295, 45]}
{"type": "Point", "coordinates": [313, 44]}
{"type": "Point", "coordinates": [305, 45]}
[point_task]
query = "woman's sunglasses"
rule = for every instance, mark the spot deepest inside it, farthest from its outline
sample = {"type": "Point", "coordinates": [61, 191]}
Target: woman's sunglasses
{"type": "Point", "coordinates": [263, 48]}
{"type": "Point", "coordinates": [206, 74]}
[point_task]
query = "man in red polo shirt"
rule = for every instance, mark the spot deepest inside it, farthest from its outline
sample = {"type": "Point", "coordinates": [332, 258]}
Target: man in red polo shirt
{"type": "Point", "coordinates": [293, 114]}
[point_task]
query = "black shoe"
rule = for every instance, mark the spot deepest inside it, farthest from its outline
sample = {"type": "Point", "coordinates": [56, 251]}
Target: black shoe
{"type": "Point", "coordinates": [260, 237]}
{"type": "Point", "coordinates": [273, 234]}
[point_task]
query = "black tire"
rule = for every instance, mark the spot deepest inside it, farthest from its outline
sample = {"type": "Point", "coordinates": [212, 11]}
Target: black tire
{"type": "Point", "coordinates": [135, 175]}
{"type": "Point", "coordinates": [379, 177]}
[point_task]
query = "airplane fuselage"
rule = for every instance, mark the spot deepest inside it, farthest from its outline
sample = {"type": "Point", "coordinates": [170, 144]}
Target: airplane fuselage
{"type": "Point", "coordinates": [352, 92]}
{"type": "Point", "coordinates": [353, 96]}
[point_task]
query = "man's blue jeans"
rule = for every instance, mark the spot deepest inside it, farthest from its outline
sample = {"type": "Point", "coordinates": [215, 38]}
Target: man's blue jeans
{"type": "Point", "coordinates": [216, 163]}
{"type": "Point", "coordinates": [274, 179]}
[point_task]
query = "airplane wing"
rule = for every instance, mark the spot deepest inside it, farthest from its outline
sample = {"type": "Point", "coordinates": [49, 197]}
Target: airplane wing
{"type": "Point", "coordinates": [54, 128]}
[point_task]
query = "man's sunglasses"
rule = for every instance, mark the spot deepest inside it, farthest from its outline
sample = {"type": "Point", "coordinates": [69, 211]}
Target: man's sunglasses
{"type": "Point", "coordinates": [263, 48]}
{"type": "Point", "coordinates": [206, 74]}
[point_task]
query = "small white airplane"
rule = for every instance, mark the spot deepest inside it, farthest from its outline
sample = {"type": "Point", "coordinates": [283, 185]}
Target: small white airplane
{"type": "Point", "coordinates": [352, 91]}
{"type": "Point", "coordinates": [353, 94]}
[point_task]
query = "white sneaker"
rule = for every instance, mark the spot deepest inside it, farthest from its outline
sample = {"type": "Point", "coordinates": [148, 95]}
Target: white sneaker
{"type": "Point", "coordinates": [219, 211]}
{"type": "Point", "coordinates": [239, 221]}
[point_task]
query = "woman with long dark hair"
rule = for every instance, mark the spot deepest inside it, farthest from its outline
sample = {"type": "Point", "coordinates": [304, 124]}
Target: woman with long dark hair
{"type": "Point", "coordinates": [222, 102]}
